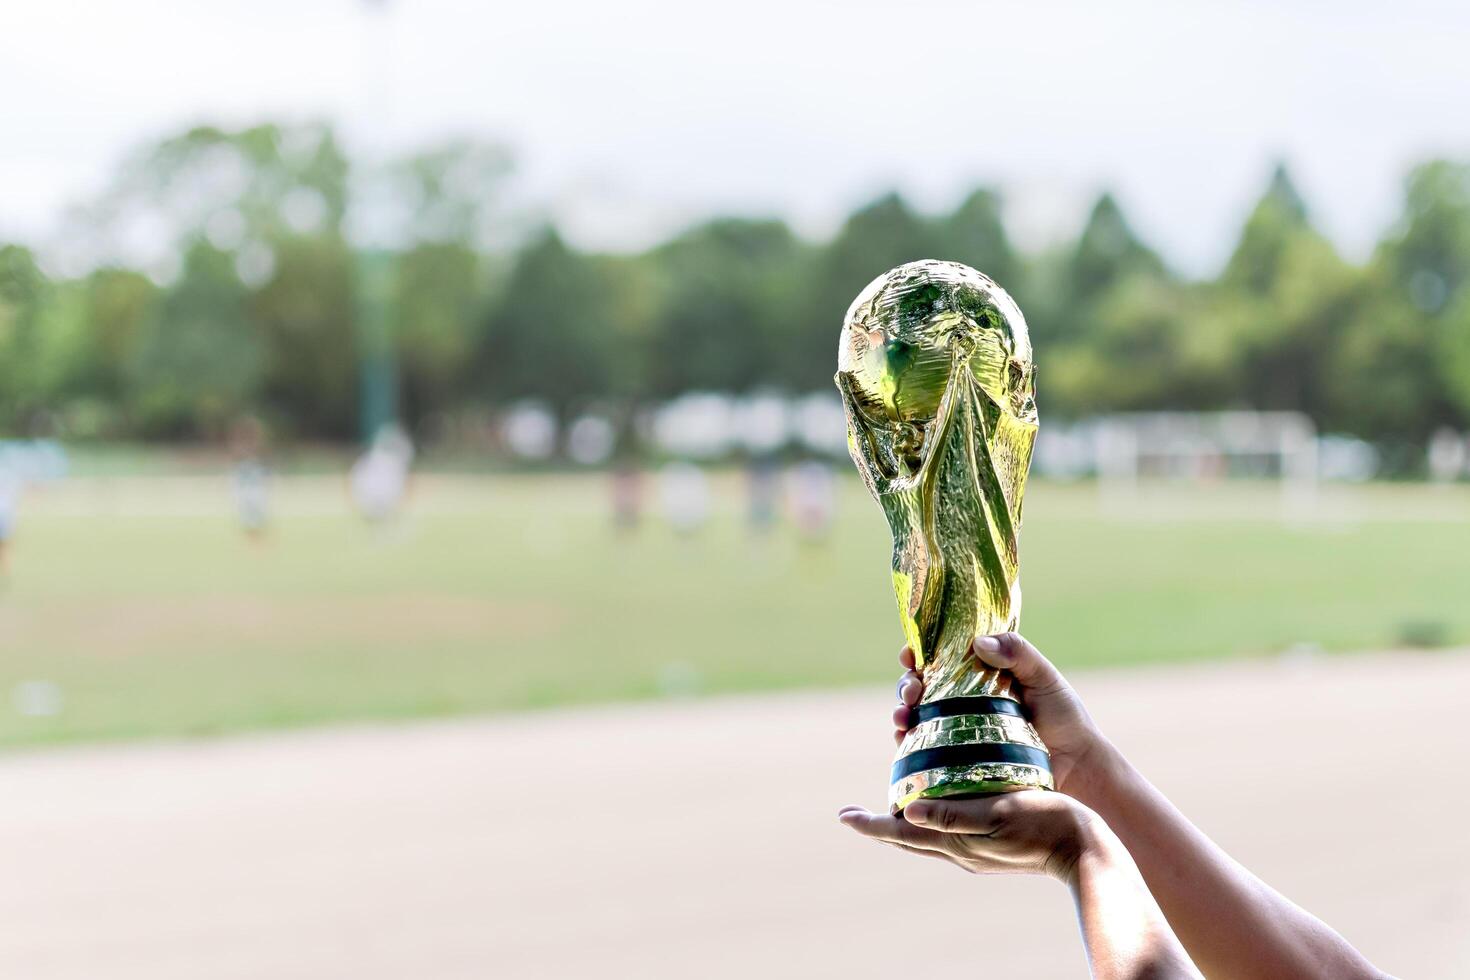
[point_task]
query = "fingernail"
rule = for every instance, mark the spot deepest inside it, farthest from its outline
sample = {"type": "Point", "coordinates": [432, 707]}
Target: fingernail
{"type": "Point", "coordinates": [987, 643]}
{"type": "Point", "coordinates": [849, 817]}
{"type": "Point", "coordinates": [916, 812]}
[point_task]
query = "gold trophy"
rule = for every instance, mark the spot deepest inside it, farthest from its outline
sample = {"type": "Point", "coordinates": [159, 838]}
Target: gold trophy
{"type": "Point", "coordinates": [938, 385]}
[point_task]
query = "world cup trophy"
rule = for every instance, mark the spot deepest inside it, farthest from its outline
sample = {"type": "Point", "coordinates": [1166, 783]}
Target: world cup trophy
{"type": "Point", "coordinates": [938, 384]}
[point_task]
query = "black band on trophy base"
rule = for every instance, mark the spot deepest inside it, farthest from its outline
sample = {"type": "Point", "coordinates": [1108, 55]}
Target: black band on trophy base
{"type": "Point", "coordinates": [968, 746]}
{"type": "Point", "coordinates": [949, 707]}
{"type": "Point", "coordinates": [952, 756]}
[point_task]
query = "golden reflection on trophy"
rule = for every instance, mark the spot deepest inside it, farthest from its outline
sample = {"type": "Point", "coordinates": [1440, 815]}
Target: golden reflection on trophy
{"type": "Point", "coordinates": [938, 383]}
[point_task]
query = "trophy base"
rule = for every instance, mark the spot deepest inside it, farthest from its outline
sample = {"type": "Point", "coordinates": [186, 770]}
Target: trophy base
{"type": "Point", "coordinates": [968, 746]}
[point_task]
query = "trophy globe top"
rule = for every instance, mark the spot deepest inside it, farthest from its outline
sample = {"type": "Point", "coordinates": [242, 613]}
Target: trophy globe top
{"type": "Point", "coordinates": [906, 335]}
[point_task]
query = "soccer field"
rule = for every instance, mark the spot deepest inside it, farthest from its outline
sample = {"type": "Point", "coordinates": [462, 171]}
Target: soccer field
{"type": "Point", "coordinates": [135, 607]}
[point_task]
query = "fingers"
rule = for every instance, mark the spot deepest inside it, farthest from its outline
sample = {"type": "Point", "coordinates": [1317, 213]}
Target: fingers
{"type": "Point", "coordinates": [906, 657]}
{"type": "Point", "coordinates": [1029, 830]}
{"type": "Point", "coordinates": [903, 720]}
{"type": "Point", "coordinates": [1026, 831]}
{"type": "Point", "coordinates": [1013, 652]}
{"type": "Point", "coordinates": [891, 830]}
{"type": "Point", "coordinates": [910, 688]}
{"type": "Point", "coordinates": [921, 852]}
{"type": "Point", "coordinates": [981, 816]}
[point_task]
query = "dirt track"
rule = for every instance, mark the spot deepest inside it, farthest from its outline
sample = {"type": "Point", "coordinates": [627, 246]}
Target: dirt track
{"type": "Point", "coordinates": [698, 839]}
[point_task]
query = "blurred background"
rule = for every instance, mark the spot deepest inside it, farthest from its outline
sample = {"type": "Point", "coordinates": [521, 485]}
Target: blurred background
{"type": "Point", "coordinates": [370, 361]}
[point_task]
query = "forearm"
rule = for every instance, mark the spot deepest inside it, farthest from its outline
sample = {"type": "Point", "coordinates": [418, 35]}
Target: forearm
{"type": "Point", "coordinates": [1126, 934]}
{"type": "Point", "coordinates": [1232, 923]}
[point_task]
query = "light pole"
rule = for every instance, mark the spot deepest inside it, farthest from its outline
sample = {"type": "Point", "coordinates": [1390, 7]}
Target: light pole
{"type": "Point", "coordinates": [372, 250]}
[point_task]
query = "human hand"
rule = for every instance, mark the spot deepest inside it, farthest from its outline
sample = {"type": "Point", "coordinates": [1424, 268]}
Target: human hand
{"type": "Point", "coordinates": [1026, 832]}
{"type": "Point", "coordinates": [1060, 718]}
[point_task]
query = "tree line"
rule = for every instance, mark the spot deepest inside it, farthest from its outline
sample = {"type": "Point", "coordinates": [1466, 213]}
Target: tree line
{"type": "Point", "coordinates": [252, 301]}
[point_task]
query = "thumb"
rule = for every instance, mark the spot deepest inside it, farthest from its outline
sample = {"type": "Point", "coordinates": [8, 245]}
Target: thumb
{"type": "Point", "coordinates": [1013, 652]}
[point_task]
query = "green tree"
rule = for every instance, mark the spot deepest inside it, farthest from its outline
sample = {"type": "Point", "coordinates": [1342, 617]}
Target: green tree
{"type": "Point", "coordinates": [270, 201]}
{"type": "Point", "coordinates": [726, 307]}
{"type": "Point", "coordinates": [1281, 307]}
{"type": "Point", "coordinates": [1277, 219]}
{"type": "Point", "coordinates": [439, 313]}
{"type": "Point", "coordinates": [22, 298]}
{"type": "Point", "coordinates": [90, 330]}
{"type": "Point", "coordinates": [1107, 253]}
{"type": "Point", "coordinates": [200, 360]}
{"type": "Point", "coordinates": [1427, 257]}
{"type": "Point", "coordinates": [554, 333]}
{"type": "Point", "coordinates": [1452, 359]}
{"type": "Point", "coordinates": [1403, 369]}
{"type": "Point", "coordinates": [1109, 323]}
{"type": "Point", "coordinates": [305, 318]}
{"type": "Point", "coordinates": [1064, 292]}
{"type": "Point", "coordinates": [1378, 372]}
{"type": "Point", "coordinates": [449, 195]}
{"type": "Point", "coordinates": [1427, 262]}
{"type": "Point", "coordinates": [1148, 347]}
{"type": "Point", "coordinates": [975, 235]}
{"type": "Point", "coordinates": [237, 187]}
{"type": "Point", "coordinates": [118, 304]}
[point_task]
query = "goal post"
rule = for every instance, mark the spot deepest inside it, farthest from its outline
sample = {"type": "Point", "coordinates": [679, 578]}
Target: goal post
{"type": "Point", "coordinates": [1207, 446]}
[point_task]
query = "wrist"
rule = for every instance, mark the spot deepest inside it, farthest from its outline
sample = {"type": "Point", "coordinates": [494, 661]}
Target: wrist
{"type": "Point", "coordinates": [1096, 854]}
{"type": "Point", "coordinates": [1086, 846]}
{"type": "Point", "coordinates": [1099, 770]}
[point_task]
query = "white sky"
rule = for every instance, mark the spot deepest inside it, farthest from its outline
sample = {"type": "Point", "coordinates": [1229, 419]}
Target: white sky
{"type": "Point", "coordinates": [631, 119]}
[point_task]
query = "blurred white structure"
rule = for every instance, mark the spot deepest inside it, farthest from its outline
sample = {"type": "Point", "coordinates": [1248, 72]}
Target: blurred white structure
{"type": "Point", "coordinates": [1208, 445]}
{"type": "Point", "coordinates": [685, 496]}
{"type": "Point", "coordinates": [1065, 452]}
{"type": "Point", "coordinates": [590, 440]}
{"type": "Point", "coordinates": [1448, 456]}
{"type": "Point", "coordinates": [699, 425]}
{"type": "Point", "coordinates": [820, 424]}
{"type": "Point", "coordinates": [705, 425]}
{"type": "Point", "coordinates": [379, 478]}
{"type": "Point", "coordinates": [1346, 459]}
{"type": "Point", "coordinates": [529, 430]}
{"type": "Point", "coordinates": [37, 698]}
{"type": "Point", "coordinates": [760, 423]}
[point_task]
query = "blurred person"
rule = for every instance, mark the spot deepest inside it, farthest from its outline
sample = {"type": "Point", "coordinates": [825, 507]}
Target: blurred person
{"type": "Point", "coordinates": [10, 488]}
{"type": "Point", "coordinates": [813, 500]}
{"type": "Point", "coordinates": [627, 494]}
{"type": "Point", "coordinates": [1107, 816]}
{"type": "Point", "coordinates": [684, 493]}
{"type": "Point", "coordinates": [250, 477]}
{"type": "Point", "coordinates": [379, 479]}
{"type": "Point", "coordinates": [762, 492]}
{"type": "Point", "coordinates": [250, 480]}
{"type": "Point", "coordinates": [46, 462]}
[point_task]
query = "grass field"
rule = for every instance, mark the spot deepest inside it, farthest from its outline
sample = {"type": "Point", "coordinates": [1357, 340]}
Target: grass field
{"type": "Point", "coordinates": [140, 601]}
